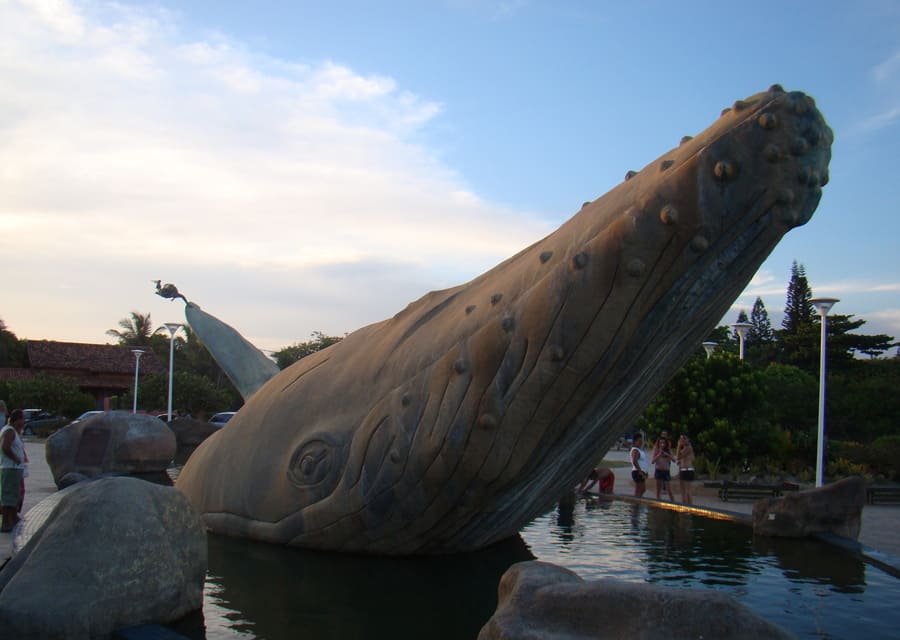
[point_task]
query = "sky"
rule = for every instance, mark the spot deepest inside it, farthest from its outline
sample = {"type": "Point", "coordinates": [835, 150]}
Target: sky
{"type": "Point", "coordinates": [308, 166]}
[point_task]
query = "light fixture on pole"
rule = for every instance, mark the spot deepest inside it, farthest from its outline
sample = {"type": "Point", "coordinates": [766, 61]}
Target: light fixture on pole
{"type": "Point", "coordinates": [823, 306]}
{"type": "Point", "coordinates": [710, 347]}
{"type": "Point", "coordinates": [742, 329]}
{"type": "Point", "coordinates": [137, 368]}
{"type": "Point", "coordinates": [173, 328]}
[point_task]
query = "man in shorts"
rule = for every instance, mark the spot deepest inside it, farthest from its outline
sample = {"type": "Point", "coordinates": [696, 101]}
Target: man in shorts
{"type": "Point", "coordinates": [639, 465]}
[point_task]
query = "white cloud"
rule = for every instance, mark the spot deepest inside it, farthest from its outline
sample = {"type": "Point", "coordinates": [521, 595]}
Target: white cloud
{"type": "Point", "coordinates": [885, 71]}
{"type": "Point", "coordinates": [58, 15]}
{"type": "Point", "coordinates": [877, 122]}
{"type": "Point", "coordinates": [130, 152]}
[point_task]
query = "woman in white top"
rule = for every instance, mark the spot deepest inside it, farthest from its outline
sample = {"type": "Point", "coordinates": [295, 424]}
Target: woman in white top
{"type": "Point", "coordinates": [639, 465]}
{"type": "Point", "coordinates": [12, 468]}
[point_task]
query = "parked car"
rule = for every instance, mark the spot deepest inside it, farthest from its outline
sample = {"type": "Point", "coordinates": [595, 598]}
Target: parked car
{"type": "Point", "coordinates": [40, 420]}
{"type": "Point", "coordinates": [86, 415]}
{"type": "Point", "coordinates": [221, 418]}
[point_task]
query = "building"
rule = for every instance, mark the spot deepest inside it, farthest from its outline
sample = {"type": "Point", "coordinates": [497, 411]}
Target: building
{"type": "Point", "coordinates": [101, 370]}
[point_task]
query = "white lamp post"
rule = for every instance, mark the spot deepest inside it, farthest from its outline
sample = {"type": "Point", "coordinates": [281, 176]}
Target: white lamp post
{"type": "Point", "coordinates": [173, 328]}
{"type": "Point", "coordinates": [742, 329]}
{"type": "Point", "coordinates": [823, 306]}
{"type": "Point", "coordinates": [137, 368]}
{"type": "Point", "coordinates": [710, 347]}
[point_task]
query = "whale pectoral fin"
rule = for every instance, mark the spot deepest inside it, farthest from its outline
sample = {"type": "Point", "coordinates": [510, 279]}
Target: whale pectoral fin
{"type": "Point", "coordinates": [247, 367]}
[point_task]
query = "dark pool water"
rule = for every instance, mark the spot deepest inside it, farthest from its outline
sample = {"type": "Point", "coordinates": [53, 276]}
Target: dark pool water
{"type": "Point", "coordinates": [814, 589]}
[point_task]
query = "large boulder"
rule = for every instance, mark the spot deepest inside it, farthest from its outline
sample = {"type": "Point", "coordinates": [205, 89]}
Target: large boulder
{"type": "Point", "coordinates": [834, 508]}
{"type": "Point", "coordinates": [114, 553]}
{"type": "Point", "coordinates": [541, 601]}
{"type": "Point", "coordinates": [190, 432]}
{"type": "Point", "coordinates": [111, 443]}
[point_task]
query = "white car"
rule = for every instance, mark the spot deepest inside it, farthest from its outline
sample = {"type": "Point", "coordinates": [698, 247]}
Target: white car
{"type": "Point", "coordinates": [221, 418]}
{"type": "Point", "coordinates": [86, 415]}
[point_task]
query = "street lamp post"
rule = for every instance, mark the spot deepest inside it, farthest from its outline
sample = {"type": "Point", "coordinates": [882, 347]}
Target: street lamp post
{"type": "Point", "coordinates": [137, 368]}
{"type": "Point", "coordinates": [173, 328]}
{"type": "Point", "coordinates": [742, 329]}
{"type": "Point", "coordinates": [823, 306]}
{"type": "Point", "coordinates": [710, 347]}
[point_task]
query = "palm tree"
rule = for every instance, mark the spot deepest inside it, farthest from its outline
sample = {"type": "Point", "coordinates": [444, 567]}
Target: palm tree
{"type": "Point", "coordinates": [136, 330]}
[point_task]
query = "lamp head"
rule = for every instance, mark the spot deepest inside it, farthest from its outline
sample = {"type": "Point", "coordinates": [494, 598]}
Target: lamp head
{"type": "Point", "coordinates": [823, 305]}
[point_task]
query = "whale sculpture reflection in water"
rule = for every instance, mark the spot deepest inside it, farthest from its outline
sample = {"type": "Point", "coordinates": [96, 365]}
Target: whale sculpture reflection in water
{"type": "Point", "coordinates": [449, 426]}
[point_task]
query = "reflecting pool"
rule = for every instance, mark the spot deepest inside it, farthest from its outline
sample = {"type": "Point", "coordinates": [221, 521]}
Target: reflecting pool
{"type": "Point", "coordinates": [256, 590]}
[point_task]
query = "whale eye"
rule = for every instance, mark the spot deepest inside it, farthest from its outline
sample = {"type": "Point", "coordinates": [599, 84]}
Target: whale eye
{"type": "Point", "coordinates": [311, 463]}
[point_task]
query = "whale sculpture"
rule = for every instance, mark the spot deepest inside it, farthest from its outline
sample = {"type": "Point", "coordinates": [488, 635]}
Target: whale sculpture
{"type": "Point", "coordinates": [451, 425]}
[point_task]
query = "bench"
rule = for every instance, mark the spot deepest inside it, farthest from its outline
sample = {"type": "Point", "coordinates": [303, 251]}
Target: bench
{"type": "Point", "coordinates": [884, 495]}
{"type": "Point", "coordinates": [749, 491]}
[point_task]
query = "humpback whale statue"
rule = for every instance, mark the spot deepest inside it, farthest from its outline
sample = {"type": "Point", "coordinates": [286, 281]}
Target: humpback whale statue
{"type": "Point", "coordinates": [454, 423]}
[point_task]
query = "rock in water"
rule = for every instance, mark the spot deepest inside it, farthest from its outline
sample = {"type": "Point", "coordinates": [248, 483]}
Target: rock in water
{"type": "Point", "coordinates": [115, 552]}
{"type": "Point", "coordinates": [835, 508]}
{"type": "Point", "coordinates": [541, 601]}
{"type": "Point", "coordinates": [460, 419]}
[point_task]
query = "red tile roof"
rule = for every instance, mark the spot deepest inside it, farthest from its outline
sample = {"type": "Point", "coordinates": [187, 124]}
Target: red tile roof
{"type": "Point", "coordinates": [93, 358]}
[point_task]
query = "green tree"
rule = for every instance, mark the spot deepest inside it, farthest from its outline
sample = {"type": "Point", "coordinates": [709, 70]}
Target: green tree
{"type": "Point", "coordinates": [803, 347]}
{"type": "Point", "coordinates": [51, 393]}
{"type": "Point", "coordinates": [844, 346]}
{"type": "Point", "coordinates": [137, 331]}
{"type": "Point", "coordinates": [289, 355]}
{"type": "Point", "coordinates": [792, 395]}
{"type": "Point", "coordinates": [761, 333]}
{"type": "Point", "coordinates": [12, 350]}
{"type": "Point", "coordinates": [193, 393]}
{"type": "Point", "coordinates": [863, 403]}
{"type": "Point", "coordinates": [761, 346]}
{"type": "Point", "coordinates": [719, 402]}
{"type": "Point", "coordinates": [798, 311]}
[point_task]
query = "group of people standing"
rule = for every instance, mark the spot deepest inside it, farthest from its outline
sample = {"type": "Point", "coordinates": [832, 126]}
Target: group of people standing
{"type": "Point", "coordinates": [661, 459]}
{"type": "Point", "coordinates": [13, 465]}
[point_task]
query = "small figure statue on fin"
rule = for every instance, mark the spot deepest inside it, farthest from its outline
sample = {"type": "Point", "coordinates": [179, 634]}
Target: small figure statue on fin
{"type": "Point", "coordinates": [169, 291]}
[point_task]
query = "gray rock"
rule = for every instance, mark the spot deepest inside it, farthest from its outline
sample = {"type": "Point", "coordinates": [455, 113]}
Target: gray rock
{"type": "Point", "coordinates": [190, 432]}
{"type": "Point", "coordinates": [541, 601]}
{"type": "Point", "coordinates": [834, 508]}
{"type": "Point", "coordinates": [114, 553]}
{"type": "Point", "coordinates": [115, 442]}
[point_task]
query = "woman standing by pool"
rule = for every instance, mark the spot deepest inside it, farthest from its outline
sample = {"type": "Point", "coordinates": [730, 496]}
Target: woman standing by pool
{"type": "Point", "coordinates": [684, 458]}
{"type": "Point", "coordinates": [661, 459]}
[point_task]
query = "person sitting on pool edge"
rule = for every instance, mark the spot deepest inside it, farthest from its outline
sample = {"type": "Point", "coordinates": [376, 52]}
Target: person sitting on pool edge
{"type": "Point", "coordinates": [601, 476]}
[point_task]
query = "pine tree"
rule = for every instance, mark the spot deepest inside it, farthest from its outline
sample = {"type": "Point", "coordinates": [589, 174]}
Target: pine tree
{"type": "Point", "coordinates": [798, 311]}
{"type": "Point", "coordinates": [761, 332]}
